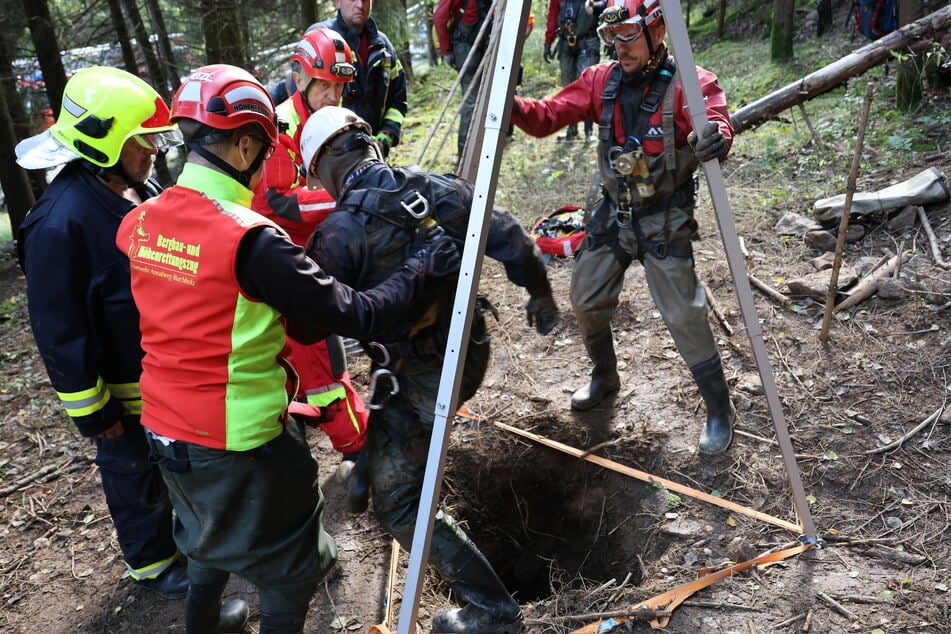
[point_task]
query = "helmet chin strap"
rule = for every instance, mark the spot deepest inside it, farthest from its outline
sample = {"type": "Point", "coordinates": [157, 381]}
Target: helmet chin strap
{"type": "Point", "coordinates": [243, 177]}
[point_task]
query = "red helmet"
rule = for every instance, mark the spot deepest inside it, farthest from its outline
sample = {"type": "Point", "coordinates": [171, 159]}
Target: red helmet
{"type": "Point", "coordinates": [324, 54]}
{"type": "Point", "coordinates": [225, 97]}
{"type": "Point", "coordinates": [643, 12]}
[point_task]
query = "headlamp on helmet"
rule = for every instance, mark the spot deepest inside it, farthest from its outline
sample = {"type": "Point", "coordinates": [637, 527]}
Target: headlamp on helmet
{"type": "Point", "coordinates": [323, 54]}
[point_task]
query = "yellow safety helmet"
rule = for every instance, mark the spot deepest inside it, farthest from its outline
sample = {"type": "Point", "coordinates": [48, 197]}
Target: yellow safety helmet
{"type": "Point", "coordinates": [102, 108]}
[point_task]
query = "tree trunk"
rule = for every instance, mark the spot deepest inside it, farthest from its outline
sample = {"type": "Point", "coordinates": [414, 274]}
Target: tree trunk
{"type": "Point", "coordinates": [432, 51]}
{"type": "Point", "coordinates": [721, 18]}
{"type": "Point", "coordinates": [171, 71]}
{"type": "Point", "coordinates": [908, 90]}
{"type": "Point", "coordinates": [781, 34]}
{"type": "Point", "coordinates": [122, 32]}
{"type": "Point", "coordinates": [47, 49]}
{"type": "Point", "coordinates": [823, 17]}
{"type": "Point", "coordinates": [18, 195]}
{"type": "Point", "coordinates": [915, 36]}
{"type": "Point", "coordinates": [308, 13]}
{"type": "Point", "coordinates": [220, 22]}
{"type": "Point", "coordinates": [145, 45]}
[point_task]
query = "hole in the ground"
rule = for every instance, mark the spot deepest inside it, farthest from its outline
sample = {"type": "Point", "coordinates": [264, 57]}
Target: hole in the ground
{"type": "Point", "coordinates": [533, 510]}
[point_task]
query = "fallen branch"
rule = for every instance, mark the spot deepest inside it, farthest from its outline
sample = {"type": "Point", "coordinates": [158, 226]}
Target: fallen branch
{"type": "Point", "coordinates": [912, 37]}
{"type": "Point", "coordinates": [794, 619]}
{"type": "Point", "coordinates": [36, 475]}
{"type": "Point", "coordinates": [932, 239]}
{"type": "Point", "coordinates": [868, 285]}
{"type": "Point", "coordinates": [770, 292]}
{"type": "Point", "coordinates": [898, 443]}
{"type": "Point", "coordinates": [836, 606]}
{"type": "Point", "coordinates": [716, 310]}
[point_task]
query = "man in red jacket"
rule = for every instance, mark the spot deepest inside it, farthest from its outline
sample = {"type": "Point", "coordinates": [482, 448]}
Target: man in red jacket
{"type": "Point", "coordinates": [647, 153]}
{"type": "Point", "coordinates": [321, 65]}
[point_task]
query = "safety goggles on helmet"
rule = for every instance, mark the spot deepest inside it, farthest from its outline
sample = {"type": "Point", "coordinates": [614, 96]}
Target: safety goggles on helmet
{"type": "Point", "coordinates": [625, 32]}
{"type": "Point", "coordinates": [159, 141]}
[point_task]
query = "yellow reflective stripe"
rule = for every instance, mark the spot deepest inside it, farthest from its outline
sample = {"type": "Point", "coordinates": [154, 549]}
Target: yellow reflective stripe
{"type": "Point", "coordinates": [323, 396]}
{"type": "Point", "coordinates": [130, 396]}
{"type": "Point", "coordinates": [394, 115]}
{"type": "Point", "coordinates": [152, 570]}
{"type": "Point", "coordinates": [85, 402]}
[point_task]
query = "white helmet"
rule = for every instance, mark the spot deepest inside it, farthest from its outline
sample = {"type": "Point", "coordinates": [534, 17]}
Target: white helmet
{"type": "Point", "coordinates": [322, 127]}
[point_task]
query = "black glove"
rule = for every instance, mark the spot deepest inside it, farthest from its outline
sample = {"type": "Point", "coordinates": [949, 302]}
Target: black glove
{"type": "Point", "coordinates": [437, 255]}
{"type": "Point", "coordinates": [710, 144]}
{"type": "Point", "coordinates": [547, 54]}
{"type": "Point", "coordinates": [542, 313]}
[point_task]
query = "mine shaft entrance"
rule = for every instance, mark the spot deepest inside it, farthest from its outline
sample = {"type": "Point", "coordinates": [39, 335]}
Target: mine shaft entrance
{"type": "Point", "coordinates": [537, 513]}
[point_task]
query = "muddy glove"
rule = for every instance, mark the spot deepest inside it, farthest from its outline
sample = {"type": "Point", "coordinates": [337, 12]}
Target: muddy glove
{"type": "Point", "coordinates": [437, 255]}
{"type": "Point", "coordinates": [547, 55]}
{"type": "Point", "coordinates": [542, 313]}
{"type": "Point", "coordinates": [710, 144]}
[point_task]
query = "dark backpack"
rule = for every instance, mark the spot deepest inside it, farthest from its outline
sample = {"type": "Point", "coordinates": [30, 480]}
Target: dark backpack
{"type": "Point", "coordinates": [875, 18]}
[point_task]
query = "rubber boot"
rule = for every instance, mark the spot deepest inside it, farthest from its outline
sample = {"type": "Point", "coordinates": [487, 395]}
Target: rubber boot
{"type": "Point", "coordinates": [718, 432]}
{"type": "Point", "coordinates": [489, 609]}
{"type": "Point", "coordinates": [357, 484]}
{"type": "Point", "coordinates": [604, 377]}
{"type": "Point", "coordinates": [283, 622]}
{"type": "Point", "coordinates": [206, 614]}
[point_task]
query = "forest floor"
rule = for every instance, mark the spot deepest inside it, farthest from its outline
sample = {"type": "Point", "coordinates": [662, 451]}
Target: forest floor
{"type": "Point", "coordinates": [573, 538]}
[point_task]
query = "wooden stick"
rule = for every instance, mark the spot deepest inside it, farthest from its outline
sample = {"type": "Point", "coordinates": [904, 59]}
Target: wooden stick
{"type": "Point", "coordinates": [901, 441]}
{"type": "Point", "coordinates": [932, 239]}
{"type": "Point", "coordinates": [715, 309]}
{"type": "Point", "coordinates": [846, 210]}
{"type": "Point", "coordinates": [770, 292]}
{"type": "Point", "coordinates": [652, 479]}
{"type": "Point", "coordinates": [790, 621]}
{"type": "Point", "coordinates": [36, 475]}
{"type": "Point", "coordinates": [812, 130]}
{"type": "Point", "coordinates": [836, 606]}
{"type": "Point", "coordinates": [867, 287]}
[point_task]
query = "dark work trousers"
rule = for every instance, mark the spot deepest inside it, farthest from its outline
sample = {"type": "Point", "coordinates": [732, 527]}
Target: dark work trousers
{"type": "Point", "coordinates": [598, 277]}
{"type": "Point", "coordinates": [137, 500]}
{"type": "Point", "coordinates": [256, 514]}
{"type": "Point", "coordinates": [574, 59]}
{"type": "Point", "coordinates": [460, 50]}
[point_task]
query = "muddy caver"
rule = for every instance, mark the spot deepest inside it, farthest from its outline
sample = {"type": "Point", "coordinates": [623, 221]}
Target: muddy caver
{"type": "Point", "coordinates": [218, 287]}
{"type": "Point", "coordinates": [108, 132]}
{"type": "Point", "coordinates": [381, 212]}
{"type": "Point", "coordinates": [647, 153]}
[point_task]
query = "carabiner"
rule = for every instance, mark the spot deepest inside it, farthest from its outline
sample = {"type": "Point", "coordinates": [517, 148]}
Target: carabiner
{"type": "Point", "coordinates": [394, 388]}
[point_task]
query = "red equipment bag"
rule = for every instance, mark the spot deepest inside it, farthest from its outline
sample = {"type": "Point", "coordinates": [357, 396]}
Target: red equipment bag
{"type": "Point", "coordinates": [561, 232]}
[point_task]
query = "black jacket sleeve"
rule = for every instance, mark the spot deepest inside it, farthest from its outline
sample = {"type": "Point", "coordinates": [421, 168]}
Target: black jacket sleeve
{"type": "Point", "coordinates": [272, 269]}
{"type": "Point", "coordinates": [509, 244]}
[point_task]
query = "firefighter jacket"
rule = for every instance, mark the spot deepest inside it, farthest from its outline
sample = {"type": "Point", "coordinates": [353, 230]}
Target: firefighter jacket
{"type": "Point", "coordinates": [670, 160]}
{"type": "Point", "coordinates": [84, 321]}
{"type": "Point", "coordinates": [213, 281]}
{"type": "Point", "coordinates": [370, 234]}
{"type": "Point", "coordinates": [378, 91]}
{"type": "Point", "coordinates": [282, 194]}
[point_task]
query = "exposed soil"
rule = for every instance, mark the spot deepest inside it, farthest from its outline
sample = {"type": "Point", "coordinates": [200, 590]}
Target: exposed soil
{"type": "Point", "coordinates": [568, 536]}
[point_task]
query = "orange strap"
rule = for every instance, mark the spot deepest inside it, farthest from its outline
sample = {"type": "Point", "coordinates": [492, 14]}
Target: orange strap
{"type": "Point", "coordinates": [670, 600]}
{"type": "Point", "coordinates": [652, 479]}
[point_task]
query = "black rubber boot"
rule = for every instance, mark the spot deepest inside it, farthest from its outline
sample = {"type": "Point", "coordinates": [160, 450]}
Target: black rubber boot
{"type": "Point", "coordinates": [490, 608]}
{"type": "Point", "coordinates": [206, 614]}
{"type": "Point", "coordinates": [283, 622]}
{"type": "Point", "coordinates": [718, 432]}
{"type": "Point", "coordinates": [604, 377]}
